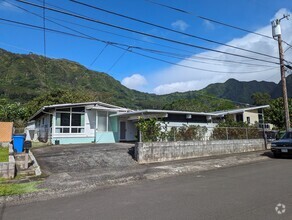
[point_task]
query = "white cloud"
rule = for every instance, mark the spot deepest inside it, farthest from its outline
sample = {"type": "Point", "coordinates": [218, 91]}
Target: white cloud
{"type": "Point", "coordinates": [136, 81]}
{"type": "Point", "coordinates": [176, 78]}
{"type": "Point", "coordinates": [180, 25]}
{"type": "Point", "coordinates": [5, 6]}
{"type": "Point", "coordinates": [208, 25]}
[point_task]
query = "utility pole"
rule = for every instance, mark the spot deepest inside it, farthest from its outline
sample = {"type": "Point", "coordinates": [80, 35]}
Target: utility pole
{"type": "Point", "coordinates": [276, 28]}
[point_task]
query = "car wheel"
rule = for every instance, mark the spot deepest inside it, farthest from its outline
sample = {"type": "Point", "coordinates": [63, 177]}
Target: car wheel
{"type": "Point", "coordinates": [277, 155]}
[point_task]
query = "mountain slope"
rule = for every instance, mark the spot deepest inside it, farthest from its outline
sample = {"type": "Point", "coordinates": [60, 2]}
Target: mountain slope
{"type": "Point", "coordinates": [240, 91]}
{"type": "Point", "coordinates": [24, 77]}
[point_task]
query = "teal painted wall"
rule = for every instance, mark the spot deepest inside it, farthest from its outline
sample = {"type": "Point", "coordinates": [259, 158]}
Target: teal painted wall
{"type": "Point", "coordinates": [73, 140]}
{"type": "Point", "coordinates": [106, 137]}
{"type": "Point", "coordinates": [113, 124]}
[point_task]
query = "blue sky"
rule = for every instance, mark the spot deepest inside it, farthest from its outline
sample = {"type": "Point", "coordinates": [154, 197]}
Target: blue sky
{"type": "Point", "coordinates": [139, 72]}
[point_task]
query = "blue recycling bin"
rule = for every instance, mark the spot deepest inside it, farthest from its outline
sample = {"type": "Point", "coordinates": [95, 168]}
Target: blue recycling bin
{"type": "Point", "coordinates": [18, 142]}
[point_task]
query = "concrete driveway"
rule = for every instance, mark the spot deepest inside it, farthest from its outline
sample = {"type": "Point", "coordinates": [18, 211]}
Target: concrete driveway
{"type": "Point", "coordinates": [83, 157]}
{"type": "Point", "coordinates": [85, 165]}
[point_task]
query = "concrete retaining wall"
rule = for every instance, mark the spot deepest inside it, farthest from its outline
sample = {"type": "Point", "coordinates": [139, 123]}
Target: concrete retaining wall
{"type": "Point", "coordinates": [7, 169]}
{"type": "Point", "coordinates": [167, 151]}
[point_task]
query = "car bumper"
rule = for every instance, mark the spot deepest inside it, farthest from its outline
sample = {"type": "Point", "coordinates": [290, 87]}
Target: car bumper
{"type": "Point", "coordinates": [282, 150]}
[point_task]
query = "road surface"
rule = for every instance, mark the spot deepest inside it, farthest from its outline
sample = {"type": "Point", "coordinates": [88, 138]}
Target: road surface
{"type": "Point", "coordinates": [250, 191]}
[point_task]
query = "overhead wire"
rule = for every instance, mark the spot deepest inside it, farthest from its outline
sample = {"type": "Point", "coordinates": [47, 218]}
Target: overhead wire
{"type": "Point", "coordinates": [98, 55]}
{"type": "Point", "coordinates": [153, 51]}
{"type": "Point", "coordinates": [92, 39]}
{"type": "Point", "coordinates": [162, 45]}
{"type": "Point", "coordinates": [136, 39]}
{"type": "Point", "coordinates": [143, 33]}
{"type": "Point", "coordinates": [213, 20]}
{"type": "Point", "coordinates": [208, 19]}
{"type": "Point", "coordinates": [169, 29]}
{"type": "Point", "coordinates": [186, 57]}
{"type": "Point", "coordinates": [118, 45]}
{"type": "Point", "coordinates": [119, 58]}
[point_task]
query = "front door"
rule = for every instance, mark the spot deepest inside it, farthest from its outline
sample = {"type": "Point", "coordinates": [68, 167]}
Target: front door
{"type": "Point", "coordinates": [122, 130]}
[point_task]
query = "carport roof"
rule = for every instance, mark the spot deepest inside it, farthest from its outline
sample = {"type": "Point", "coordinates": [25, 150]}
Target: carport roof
{"type": "Point", "coordinates": [240, 110]}
{"type": "Point", "coordinates": [152, 111]}
{"type": "Point", "coordinates": [212, 114]}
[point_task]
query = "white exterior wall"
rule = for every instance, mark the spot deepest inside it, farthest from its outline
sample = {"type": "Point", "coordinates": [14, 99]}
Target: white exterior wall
{"type": "Point", "coordinates": [254, 117]}
{"type": "Point", "coordinates": [90, 122]}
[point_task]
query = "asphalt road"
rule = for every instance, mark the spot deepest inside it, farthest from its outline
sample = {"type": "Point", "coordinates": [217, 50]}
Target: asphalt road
{"type": "Point", "coordinates": [248, 191]}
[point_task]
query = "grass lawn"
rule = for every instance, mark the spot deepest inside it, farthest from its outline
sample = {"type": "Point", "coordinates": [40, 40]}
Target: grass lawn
{"type": "Point", "coordinates": [7, 189]}
{"type": "Point", "coordinates": [4, 153]}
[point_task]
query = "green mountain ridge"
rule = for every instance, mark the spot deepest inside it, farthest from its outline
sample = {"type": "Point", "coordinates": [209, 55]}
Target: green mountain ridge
{"type": "Point", "coordinates": [26, 76]}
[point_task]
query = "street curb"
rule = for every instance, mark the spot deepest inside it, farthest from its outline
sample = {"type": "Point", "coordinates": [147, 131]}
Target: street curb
{"type": "Point", "coordinates": [151, 172]}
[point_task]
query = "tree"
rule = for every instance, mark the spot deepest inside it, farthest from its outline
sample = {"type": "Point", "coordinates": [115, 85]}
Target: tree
{"type": "Point", "coordinates": [202, 103]}
{"type": "Point", "coordinates": [275, 114]}
{"type": "Point", "coordinates": [13, 112]}
{"type": "Point", "coordinates": [260, 98]}
{"type": "Point", "coordinates": [59, 96]}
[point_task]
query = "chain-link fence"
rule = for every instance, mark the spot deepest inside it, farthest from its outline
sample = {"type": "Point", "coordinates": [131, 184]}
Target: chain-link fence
{"type": "Point", "coordinates": [200, 133]}
{"type": "Point", "coordinates": [40, 134]}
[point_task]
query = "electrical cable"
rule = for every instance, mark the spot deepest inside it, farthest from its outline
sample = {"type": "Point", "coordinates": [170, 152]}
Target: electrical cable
{"type": "Point", "coordinates": [119, 58]}
{"type": "Point", "coordinates": [136, 39]}
{"type": "Point", "coordinates": [118, 45]}
{"type": "Point", "coordinates": [98, 55]}
{"type": "Point", "coordinates": [207, 19]}
{"type": "Point", "coordinates": [169, 29]}
{"type": "Point", "coordinates": [213, 21]}
{"type": "Point", "coordinates": [171, 54]}
{"type": "Point", "coordinates": [142, 33]}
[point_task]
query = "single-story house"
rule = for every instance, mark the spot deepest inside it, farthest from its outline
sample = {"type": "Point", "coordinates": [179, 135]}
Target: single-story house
{"type": "Point", "coordinates": [89, 122]}
{"type": "Point", "coordinates": [97, 122]}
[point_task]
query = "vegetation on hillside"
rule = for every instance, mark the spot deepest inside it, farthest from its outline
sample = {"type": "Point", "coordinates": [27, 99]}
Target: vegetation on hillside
{"type": "Point", "coordinates": [29, 82]}
{"type": "Point", "coordinates": [201, 103]}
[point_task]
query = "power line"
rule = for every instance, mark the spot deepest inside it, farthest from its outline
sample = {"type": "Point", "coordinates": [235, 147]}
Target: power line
{"type": "Point", "coordinates": [143, 33]}
{"type": "Point", "coordinates": [136, 39]}
{"type": "Point", "coordinates": [119, 58]}
{"type": "Point", "coordinates": [181, 56]}
{"type": "Point", "coordinates": [169, 29]}
{"type": "Point", "coordinates": [198, 57]}
{"type": "Point", "coordinates": [98, 55]}
{"type": "Point", "coordinates": [212, 20]}
{"type": "Point", "coordinates": [118, 45]}
{"type": "Point", "coordinates": [153, 51]}
{"type": "Point", "coordinates": [208, 19]}
{"type": "Point", "coordinates": [190, 67]}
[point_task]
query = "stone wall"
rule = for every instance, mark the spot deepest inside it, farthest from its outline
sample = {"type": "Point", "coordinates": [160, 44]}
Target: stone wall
{"type": "Point", "coordinates": [167, 151]}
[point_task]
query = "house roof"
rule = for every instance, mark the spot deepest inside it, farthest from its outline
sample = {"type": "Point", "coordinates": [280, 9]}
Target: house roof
{"type": "Point", "coordinates": [212, 114]}
{"type": "Point", "coordinates": [152, 111]}
{"type": "Point", "coordinates": [240, 110]}
{"type": "Point", "coordinates": [101, 105]}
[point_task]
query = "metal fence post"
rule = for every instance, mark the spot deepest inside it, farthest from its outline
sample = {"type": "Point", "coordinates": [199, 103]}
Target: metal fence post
{"type": "Point", "coordinates": [174, 131]}
{"type": "Point", "coordinates": [140, 136]}
{"type": "Point", "coordinates": [246, 131]}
